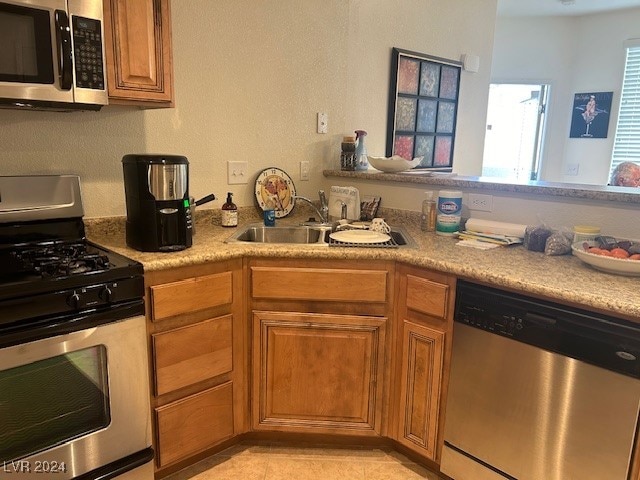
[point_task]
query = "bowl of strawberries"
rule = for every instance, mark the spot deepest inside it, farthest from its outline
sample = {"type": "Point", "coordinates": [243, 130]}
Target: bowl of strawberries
{"type": "Point", "coordinates": [620, 257]}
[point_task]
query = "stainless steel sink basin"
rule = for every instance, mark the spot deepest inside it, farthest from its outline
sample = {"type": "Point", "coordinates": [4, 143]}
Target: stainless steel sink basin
{"type": "Point", "coordinates": [303, 235]}
{"type": "Point", "coordinates": [258, 233]}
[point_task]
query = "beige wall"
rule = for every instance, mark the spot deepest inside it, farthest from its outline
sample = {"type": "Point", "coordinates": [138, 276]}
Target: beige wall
{"type": "Point", "coordinates": [250, 77]}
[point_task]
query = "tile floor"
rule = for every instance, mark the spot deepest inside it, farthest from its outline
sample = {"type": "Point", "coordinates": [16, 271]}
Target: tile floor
{"type": "Point", "coordinates": [278, 462]}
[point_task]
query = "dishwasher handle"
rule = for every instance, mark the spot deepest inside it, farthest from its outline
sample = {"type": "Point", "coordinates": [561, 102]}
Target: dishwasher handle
{"type": "Point", "coordinates": [541, 320]}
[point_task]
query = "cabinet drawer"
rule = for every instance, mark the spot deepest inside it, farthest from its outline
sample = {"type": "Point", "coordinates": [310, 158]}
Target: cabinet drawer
{"type": "Point", "coordinates": [319, 284]}
{"type": "Point", "coordinates": [193, 424]}
{"type": "Point", "coordinates": [192, 294]}
{"type": "Point", "coordinates": [188, 355]}
{"type": "Point", "coordinates": [427, 297]}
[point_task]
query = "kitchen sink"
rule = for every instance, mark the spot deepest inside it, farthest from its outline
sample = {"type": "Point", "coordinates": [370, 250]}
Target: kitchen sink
{"type": "Point", "coordinates": [258, 233]}
{"type": "Point", "coordinates": [306, 235]}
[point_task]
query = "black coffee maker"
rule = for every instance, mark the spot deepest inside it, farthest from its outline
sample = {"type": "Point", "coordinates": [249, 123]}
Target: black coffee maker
{"type": "Point", "coordinates": [157, 194]}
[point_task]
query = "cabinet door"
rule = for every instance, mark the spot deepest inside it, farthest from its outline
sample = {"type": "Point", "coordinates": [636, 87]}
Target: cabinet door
{"type": "Point", "coordinates": [138, 52]}
{"type": "Point", "coordinates": [318, 372]}
{"type": "Point", "coordinates": [422, 363]}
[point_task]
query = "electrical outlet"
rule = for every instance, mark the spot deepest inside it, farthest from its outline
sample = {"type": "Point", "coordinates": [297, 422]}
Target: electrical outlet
{"type": "Point", "coordinates": [323, 122]}
{"type": "Point", "coordinates": [237, 172]}
{"type": "Point", "coordinates": [572, 169]}
{"type": "Point", "coordinates": [304, 170]}
{"type": "Point", "coordinates": [479, 202]}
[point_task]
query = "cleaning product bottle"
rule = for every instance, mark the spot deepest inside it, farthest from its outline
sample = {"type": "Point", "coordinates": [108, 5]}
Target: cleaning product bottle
{"type": "Point", "coordinates": [362, 162]}
{"type": "Point", "coordinates": [449, 212]}
{"type": "Point", "coordinates": [229, 212]}
{"type": "Point", "coordinates": [429, 213]}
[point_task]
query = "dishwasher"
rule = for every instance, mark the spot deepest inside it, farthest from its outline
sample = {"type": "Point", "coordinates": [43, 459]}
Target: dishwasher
{"type": "Point", "coordinates": [538, 390]}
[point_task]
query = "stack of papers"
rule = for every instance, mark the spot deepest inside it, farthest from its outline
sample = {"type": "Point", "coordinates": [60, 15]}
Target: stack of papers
{"type": "Point", "coordinates": [492, 238]}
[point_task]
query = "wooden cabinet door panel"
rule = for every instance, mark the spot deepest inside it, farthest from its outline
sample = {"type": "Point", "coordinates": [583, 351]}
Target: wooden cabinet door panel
{"type": "Point", "coordinates": [318, 372]}
{"type": "Point", "coordinates": [192, 294]}
{"type": "Point", "coordinates": [319, 284]}
{"type": "Point", "coordinates": [138, 37]}
{"type": "Point", "coordinates": [426, 296]}
{"type": "Point", "coordinates": [191, 354]}
{"type": "Point", "coordinates": [193, 424]}
{"type": "Point", "coordinates": [422, 363]}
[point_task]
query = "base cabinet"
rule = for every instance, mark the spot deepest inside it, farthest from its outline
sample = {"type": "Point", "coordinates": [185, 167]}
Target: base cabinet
{"type": "Point", "coordinates": [320, 345]}
{"type": "Point", "coordinates": [424, 323]}
{"type": "Point", "coordinates": [197, 358]}
{"type": "Point", "coordinates": [318, 372]}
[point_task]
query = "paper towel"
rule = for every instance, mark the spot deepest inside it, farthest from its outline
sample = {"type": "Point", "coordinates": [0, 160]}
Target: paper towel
{"type": "Point", "coordinates": [491, 226]}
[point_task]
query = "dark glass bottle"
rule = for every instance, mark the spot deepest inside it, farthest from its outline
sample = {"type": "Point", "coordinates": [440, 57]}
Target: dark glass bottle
{"type": "Point", "coordinates": [229, 212]}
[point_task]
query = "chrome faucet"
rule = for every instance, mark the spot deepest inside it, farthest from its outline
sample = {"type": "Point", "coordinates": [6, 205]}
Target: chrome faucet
{"type": "Point", "coordinates": [323, 212]}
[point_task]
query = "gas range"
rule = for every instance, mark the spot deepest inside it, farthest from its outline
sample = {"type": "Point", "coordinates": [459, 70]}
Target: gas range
{"type": "Point", "coordinates": [73, 349]}
{"type": "Point", "coordinates": [50, 274]}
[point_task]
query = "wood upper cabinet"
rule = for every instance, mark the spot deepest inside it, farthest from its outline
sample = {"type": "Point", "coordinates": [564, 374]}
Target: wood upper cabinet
{"type": "Point", "coordinates": [138, 52]}
{"type": "Point", "coordinates": [424, 323]}
{"type": "Point", "coordinates": [318, 372]}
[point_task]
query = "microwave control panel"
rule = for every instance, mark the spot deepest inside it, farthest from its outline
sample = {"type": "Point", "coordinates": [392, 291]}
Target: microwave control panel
{"type": "Point", "coordinates": [87, 48]}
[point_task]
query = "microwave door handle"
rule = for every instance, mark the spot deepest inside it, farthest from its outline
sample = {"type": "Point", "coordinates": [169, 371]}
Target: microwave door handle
{"type": "Point", "coordinates": [65, 58]}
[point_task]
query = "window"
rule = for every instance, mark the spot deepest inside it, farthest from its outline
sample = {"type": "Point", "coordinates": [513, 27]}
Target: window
{"type": "Point", "coordinates": [515, 127]}
{"type": "Point", "coordinates": [626, 145]}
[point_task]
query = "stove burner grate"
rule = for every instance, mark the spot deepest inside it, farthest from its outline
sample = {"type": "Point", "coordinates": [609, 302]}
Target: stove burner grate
{"type": "Point", "coordinates": [61, 260]}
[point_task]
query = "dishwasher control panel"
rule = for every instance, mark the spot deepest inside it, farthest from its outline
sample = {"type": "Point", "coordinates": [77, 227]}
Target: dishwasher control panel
{"type": "Point", "coordinates": [504, 324]}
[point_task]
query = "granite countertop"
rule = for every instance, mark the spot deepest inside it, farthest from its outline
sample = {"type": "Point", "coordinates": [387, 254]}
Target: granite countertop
{"type": "Point", "coordinates": [562, 278]}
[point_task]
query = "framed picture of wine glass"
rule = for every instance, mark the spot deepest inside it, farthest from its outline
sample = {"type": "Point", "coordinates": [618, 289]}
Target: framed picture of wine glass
{"type": "Point", "coordinates": [590, 117]}
{"type": "Point", "coordinates": [423, 108]}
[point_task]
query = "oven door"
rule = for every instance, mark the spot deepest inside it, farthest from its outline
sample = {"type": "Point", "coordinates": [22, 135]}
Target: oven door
{"type": "Point", "coordinates": [76, 403]}
{"type": "Point", "coordinates": [31, 53]}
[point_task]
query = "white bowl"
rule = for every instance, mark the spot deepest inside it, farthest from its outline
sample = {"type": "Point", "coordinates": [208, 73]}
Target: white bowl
{"type": "Point", "coordinates": [617, 266]}
{"type": "Point", "coordinates": [393, 164]}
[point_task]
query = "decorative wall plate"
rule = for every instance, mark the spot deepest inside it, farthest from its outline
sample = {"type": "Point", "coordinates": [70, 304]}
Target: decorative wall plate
{"type": "Point", "coordinates": [275, 189]}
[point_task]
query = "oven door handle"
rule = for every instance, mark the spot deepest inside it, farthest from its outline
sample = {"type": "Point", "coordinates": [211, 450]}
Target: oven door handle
{"type": "Point", "coordinates": [65, 55]}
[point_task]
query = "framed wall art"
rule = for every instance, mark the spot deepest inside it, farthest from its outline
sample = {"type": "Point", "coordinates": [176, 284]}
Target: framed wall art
{"type": "Point", "coordinates": [423, 108]}
{"type": "Point", "coordinates": [590, 117]}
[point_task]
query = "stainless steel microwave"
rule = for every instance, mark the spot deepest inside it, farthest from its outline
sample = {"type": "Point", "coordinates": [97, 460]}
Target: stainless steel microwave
{"type": "Point", "coordinates": [52, 54]}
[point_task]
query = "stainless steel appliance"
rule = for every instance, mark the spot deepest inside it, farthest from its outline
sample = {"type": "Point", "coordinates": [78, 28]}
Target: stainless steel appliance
{"type": "Point", "coordinates": [52, 54]}
{"type": "Point", "coordinates": [74, 378]}
{"type": "Point", "coordinates": [539, 391]}
{"type": "Point", "coordinates": [158, 206]}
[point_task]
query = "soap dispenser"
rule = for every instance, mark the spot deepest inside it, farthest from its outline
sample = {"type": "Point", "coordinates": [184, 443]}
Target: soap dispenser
{"type": "Point", "coordinates": [362, 162]}
{"type": "Point", "coordinates": [229, 212]}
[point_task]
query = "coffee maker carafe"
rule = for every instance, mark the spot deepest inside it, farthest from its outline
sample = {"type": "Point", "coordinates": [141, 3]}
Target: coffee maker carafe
{"type": "Point", "coordinates": [157, 197]}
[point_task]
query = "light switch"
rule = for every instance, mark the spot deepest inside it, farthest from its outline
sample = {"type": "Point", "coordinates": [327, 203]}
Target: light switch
{"type": "Point", "coordinates": [323, 122]}
{"type": "Point", "coordinates": [237, 172]}
{"type": "Point", "coordinates": [304, 170]}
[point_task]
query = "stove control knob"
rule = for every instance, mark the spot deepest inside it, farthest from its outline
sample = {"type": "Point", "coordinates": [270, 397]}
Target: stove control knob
{"type": "Point", "coordinates": [73, 300]}
{"type": "Point", "coordinates": [106, 294]}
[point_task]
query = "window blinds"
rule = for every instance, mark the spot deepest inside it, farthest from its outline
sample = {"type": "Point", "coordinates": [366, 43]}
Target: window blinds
{"type": "Point", "coordinates": [626, 145]}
